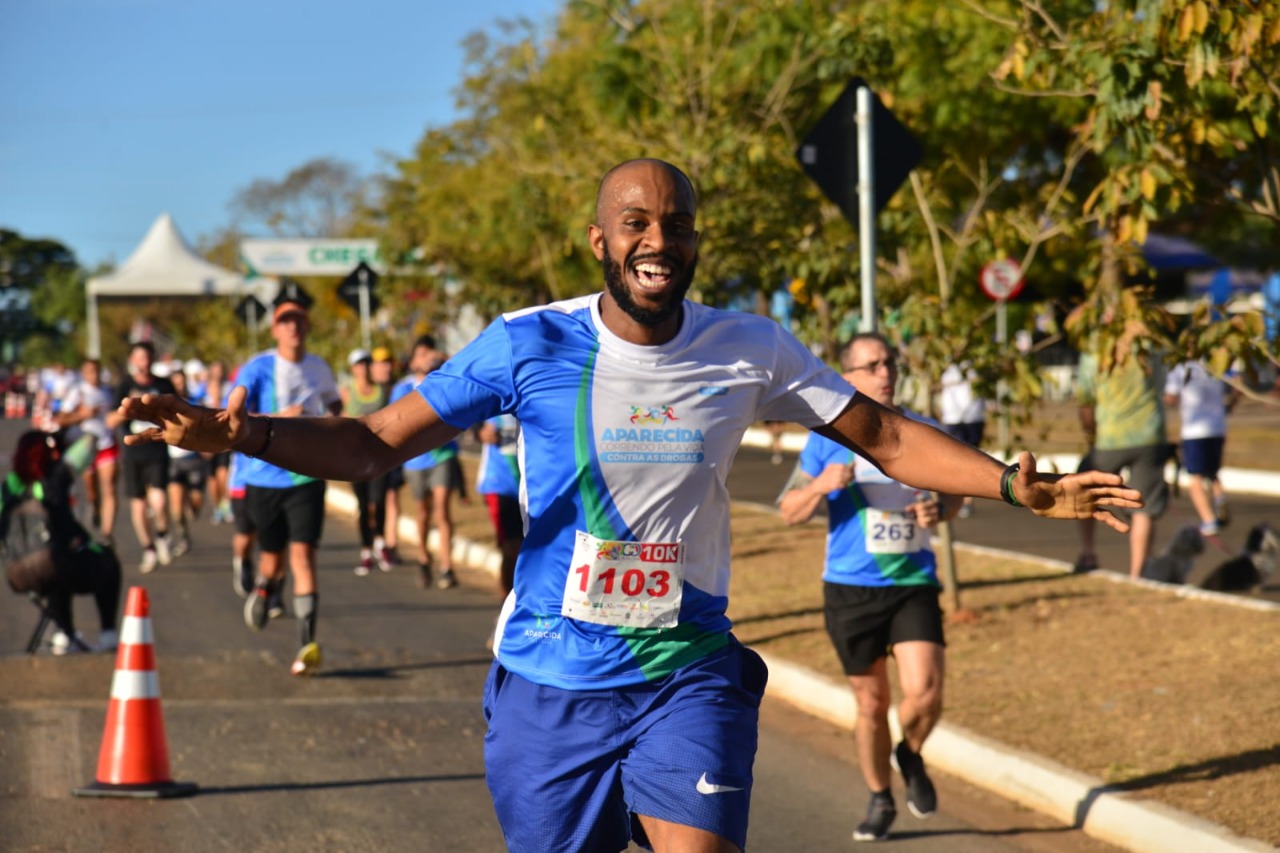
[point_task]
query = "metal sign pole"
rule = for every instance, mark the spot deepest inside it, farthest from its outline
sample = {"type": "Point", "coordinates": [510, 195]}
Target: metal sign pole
{"type": "Point", "coordinates": [365, 335]}
{"type": "Point", "coordinates": [93, 347]}
{"type": "Point", "coordinates": [1002, 336]}
{"type": "Point", "coordinates": [866, 210]}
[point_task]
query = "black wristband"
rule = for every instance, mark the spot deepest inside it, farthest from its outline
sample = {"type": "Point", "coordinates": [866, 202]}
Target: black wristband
{"type": "Point", "coordinates": [271, 433]}
{"type": "Point", "coordinates": [1006, 485]}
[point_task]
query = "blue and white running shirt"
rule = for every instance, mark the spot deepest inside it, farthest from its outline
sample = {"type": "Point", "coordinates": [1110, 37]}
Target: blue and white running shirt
{"type": "Point", "coordinates": [626, 452]}
{"type": "Point", "coordinates": [275, 383]}
{"type": "Point", "coordinates": [870, 541]}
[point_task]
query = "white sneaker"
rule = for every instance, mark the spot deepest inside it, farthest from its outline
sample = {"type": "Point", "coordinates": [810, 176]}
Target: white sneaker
{"type": "Point", "coordinates": [163, 553]}
{"type": "Point", "coordinates": [61, 644]}
{"type": "Point", "coordinates": [148, 564]}
{"type": "Point", "coordinates": [108, 641]}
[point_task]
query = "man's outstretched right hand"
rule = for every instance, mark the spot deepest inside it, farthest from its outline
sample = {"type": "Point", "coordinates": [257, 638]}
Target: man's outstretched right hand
{"type": "Point", "coordinates": [181, 424]}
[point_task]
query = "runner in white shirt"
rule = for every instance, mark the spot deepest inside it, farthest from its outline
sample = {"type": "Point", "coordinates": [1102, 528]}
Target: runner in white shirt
{"type": "Point", "coordinates": [1203, 402]}
{"type": "Point", "coordinates": [963, 413]}
{"type": "Point", "coordinates": [632, 404]}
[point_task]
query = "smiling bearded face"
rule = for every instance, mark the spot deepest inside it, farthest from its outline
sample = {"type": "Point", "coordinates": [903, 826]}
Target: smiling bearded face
{"type": "Point", "coordinates": [651, 317]}
{"type": "Point", "coordinates": [646, 241]}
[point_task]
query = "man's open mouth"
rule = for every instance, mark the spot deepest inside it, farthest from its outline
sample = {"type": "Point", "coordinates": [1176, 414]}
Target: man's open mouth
{"type": "Point", "coordinates": [653, 275]}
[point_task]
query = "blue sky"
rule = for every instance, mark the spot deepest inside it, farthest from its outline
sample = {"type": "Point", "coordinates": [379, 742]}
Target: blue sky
{"type": "Point", "coordinates": [115, 111]}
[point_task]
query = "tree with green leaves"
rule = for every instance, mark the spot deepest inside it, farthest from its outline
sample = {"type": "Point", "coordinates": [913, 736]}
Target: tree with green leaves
{"type": "Point", "coordinates": [52, 305]}
{"type": "Point", "coordinates": [1180, 116]}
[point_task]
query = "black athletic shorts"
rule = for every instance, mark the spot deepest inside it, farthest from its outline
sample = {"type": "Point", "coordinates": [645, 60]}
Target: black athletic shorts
{"type": "Point", "coordinates": [864, 622]}
{"type": "Point", "coordinates": [969, 432]}
{"type": "Point", "coordinates": [240, 516]}
{"type": "Point", "coordinates": [281, 516]}
{"type": "Point", "coordinates": [142, 474]}
{"type": "Point", "coordinates": [395, 478]}
{"type": "Point", "coordinates": [191, 471]}
{"type": "Point", "coordinates": [508, 522]}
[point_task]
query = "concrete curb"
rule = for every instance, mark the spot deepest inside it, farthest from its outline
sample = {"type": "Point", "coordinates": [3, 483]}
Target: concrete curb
{"type": "Point", "coordinates": [1067, 795]}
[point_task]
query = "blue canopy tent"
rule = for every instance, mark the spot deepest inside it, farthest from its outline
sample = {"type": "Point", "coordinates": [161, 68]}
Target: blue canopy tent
{"type": "Point", "coordinates": [1174, 254]}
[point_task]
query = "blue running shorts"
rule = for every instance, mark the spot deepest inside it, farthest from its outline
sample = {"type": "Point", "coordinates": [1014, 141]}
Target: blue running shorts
{"type": "Point", "coordinates": [568, 769]}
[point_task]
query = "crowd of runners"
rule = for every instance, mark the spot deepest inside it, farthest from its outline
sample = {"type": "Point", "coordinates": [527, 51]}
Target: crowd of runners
{"type": "Point", "coordinates": [276, 517]}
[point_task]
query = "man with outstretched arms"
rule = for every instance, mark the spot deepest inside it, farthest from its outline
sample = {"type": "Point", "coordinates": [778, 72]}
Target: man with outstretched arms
{"type": "Point", "coordinates": [632, 403]}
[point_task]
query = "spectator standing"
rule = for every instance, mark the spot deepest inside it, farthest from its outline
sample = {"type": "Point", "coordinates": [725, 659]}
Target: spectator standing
{"type": "Point", "coordinates": [1122, 414]}
{"type": "Point", "coordinates": [632, 405]}
{"type": "Point", "coordinates": [433, 477]}
{"type": "Point", "coordinates": [498, 481]}
{"type": "Point", "coordinates": [361, 396]}
{"type": "Point", "coordinates": [145, 467]}
{"type": "Point", "coordinates": [287, 509]}
{"type": "Point", "coordinates": [1203, 402]}
{"type": "Point", "coordinates": [963, 413]}
{"type": "Point", "coordinates": [880, 587]}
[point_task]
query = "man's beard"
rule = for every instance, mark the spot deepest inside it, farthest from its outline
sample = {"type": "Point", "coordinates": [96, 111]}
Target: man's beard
{"type": "Point", "coordinates": [613, 281]}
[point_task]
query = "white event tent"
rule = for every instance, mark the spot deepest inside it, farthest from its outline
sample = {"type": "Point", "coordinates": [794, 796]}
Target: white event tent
{"type": "Point", "coordinates": [164, 264]}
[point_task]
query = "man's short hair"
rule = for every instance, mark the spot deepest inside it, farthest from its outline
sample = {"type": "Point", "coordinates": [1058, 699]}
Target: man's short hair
{"type": "Point", "coordinates": [693, 193]}
{"type": "Point", "coordinates": [863, 336]}
{"type": "Point", "coordinates": [146, 345]}
{"type": "Point", "coordinates": [427, 341]}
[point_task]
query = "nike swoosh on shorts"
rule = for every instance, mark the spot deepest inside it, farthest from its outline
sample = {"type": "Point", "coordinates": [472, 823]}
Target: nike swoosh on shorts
{"type": "Point", "coordinates": [705, 787]}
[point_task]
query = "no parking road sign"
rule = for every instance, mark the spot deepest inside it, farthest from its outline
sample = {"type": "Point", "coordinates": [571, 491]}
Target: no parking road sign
{"type": "Point", "coordinates": [1002, 279]}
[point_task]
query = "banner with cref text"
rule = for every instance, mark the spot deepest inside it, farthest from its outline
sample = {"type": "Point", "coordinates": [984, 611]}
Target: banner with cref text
{"type": "Point", "coordinates": [309, 257]}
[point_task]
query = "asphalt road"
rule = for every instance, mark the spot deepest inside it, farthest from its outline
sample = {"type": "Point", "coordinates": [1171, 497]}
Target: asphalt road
{"type": "Point", "coordinates": [382, 751]}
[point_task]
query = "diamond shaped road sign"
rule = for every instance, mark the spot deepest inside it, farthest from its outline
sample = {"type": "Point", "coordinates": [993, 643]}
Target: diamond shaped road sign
{"type": "Point", "coordinates": [829, 154]}
{"type": "Point", "coordinates": [349, 289]}
{"type": "Point", "coordinates": [251, 311]}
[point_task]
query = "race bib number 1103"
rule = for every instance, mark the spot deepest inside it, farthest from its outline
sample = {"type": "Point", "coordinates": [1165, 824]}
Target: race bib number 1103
{"type": "Point", "coordinates": [627, 584]}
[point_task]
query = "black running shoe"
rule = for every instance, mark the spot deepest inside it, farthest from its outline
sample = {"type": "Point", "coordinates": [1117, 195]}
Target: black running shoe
{"type": "Point", "coordinates": [922, 799]}
{"type": "Point", "coordinates": [255, 609]}
{"type": "Point", "coordinates": [881, 814]}
{"type": "Point", "coordinates": [242, 576]}
{"type": "Point", "coordinates": [275, 602]}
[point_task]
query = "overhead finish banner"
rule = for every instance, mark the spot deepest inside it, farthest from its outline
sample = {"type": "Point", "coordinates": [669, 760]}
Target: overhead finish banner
{"type": "Point", "coordinates": [309, 257]}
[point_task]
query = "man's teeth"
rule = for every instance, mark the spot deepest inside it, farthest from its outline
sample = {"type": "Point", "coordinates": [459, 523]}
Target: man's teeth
{"type": "Point", "coordinates": [653, 272]}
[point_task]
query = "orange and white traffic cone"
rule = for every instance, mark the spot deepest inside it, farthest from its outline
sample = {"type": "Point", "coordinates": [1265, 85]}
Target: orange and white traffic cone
{"type": "Point", "coordinates": [134, 760]}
